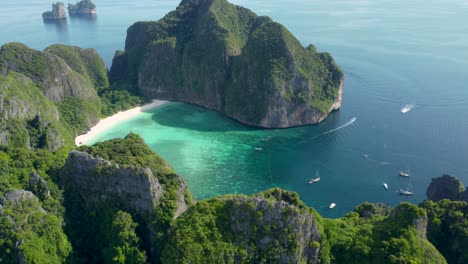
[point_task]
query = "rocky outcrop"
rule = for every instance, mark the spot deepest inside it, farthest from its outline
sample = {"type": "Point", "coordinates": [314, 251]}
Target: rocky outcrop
{"type": "Point", "coordinates": [369, 210]}
{"type": "Point", "coordinates": [446, 187]}
{"type": "Point", "coordinates": [48, 97]}
{"type": "Point", "coordinates": [99, 180]}
{"type": "Point", "coordinates": [247, 227]}
{"type": "Point", "coordinates": [225, 58]}
{"type": "Point", "coordinates": [268, 227]}
{"type": "Point", "coordinates": [58, 12]}
{"type": "Point", "coordinates": [82, 7]}
{"type": "Point", "coordinates": [407, 214]}
{"type": "Point", "coordinates": [17, 196]}
{"type": "Point", "coordinates": [38, 186]}
{"type": "Point", "coordinates": [51, 73]}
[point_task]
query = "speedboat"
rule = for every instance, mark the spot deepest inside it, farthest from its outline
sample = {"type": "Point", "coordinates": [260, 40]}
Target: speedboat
{"type": "Point", "coordinates": [404, 174]}
{"type": "Point", "coordinates": [258, 149]}
{"type": "Point", "coordinates": [316, 179]}
{"type": "Point", "coordinates": [407, 108]}
{"type": "Point", "coordinates": [332, 205]}
{"type": "Point", "coordinates": [406, 192]}
{"type": "Point", "coordinates": [385, 186]}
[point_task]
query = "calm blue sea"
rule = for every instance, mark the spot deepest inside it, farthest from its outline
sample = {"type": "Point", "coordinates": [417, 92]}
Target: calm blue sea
{"type": "Point", "coordinates": [393, 53]}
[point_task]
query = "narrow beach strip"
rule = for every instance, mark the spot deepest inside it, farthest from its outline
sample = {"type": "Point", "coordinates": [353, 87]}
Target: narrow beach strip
{"type": "Point", "coordinates": [110, 121]}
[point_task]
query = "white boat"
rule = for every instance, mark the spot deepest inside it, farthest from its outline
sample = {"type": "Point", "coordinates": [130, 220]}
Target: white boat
{"type": "Point", "coordinates": [316, 179]}
{"type": "Point", "coordinates": [385, 186]}
{"type": "Point", "coordinates": [404, 174]}
{"type": "Point", "coordinates": [258, 149]}
{"type": "Point", "coordinates": [332, 205]}
{"type": "Point", "coordinates": [406, 192]}
{"type": "Point", "coordinates": [407, 108]}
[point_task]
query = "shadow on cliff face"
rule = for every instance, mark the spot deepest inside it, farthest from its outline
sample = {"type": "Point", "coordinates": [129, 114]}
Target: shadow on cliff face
{"type": "Point", "coordinates": [195, 118]}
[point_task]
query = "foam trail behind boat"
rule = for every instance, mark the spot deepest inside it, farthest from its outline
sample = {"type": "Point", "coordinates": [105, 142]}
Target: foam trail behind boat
{"type": "Point", "coordinates": [350, 122]}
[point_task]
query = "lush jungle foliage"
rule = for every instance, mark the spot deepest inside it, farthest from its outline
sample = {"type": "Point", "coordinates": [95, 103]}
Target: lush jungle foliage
{"type": "Point", "coordinates": [43, 221]}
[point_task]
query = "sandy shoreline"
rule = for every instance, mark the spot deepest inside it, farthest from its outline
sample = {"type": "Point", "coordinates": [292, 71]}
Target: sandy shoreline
{"type": "Point", "coordinates": [108, 122]}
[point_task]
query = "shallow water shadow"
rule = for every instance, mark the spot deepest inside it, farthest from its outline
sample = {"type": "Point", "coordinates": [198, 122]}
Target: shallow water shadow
{"type": "Point", "coordinates": [91, 18]}
{"type": "Point", "coordinates": [61, 25]}
{"type": "Point", "coordinates": [192, 117]}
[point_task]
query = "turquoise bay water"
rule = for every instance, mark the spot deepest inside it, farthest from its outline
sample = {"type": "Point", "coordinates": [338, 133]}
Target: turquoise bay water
{"type": "Point", "coordinates": [393, 53]}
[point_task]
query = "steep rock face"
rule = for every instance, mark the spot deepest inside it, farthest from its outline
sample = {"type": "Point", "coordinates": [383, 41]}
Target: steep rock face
{"type": "Point", "coordinates": [87, 62]}
{"type": "Point", "coordinates": [46, 98]}
{"type": "Point", "coordinates": [224, 57]}
{"type": "Point", "coordinates": [123, 174]}
{"type": "Point", "coordinates": [58, 12]}
{"type": "Point", "coordinates": [82, 7]}
{"type": "Point", "coordinates": [50, 72]}
{"type": "Point", "coordinates": [265, 227]}
{"type": "Point", "coordinates": [27, 117]}
{"type": "Point", "coordinates": [302, 224]}
{"type": "Point", "coordinates": [409, 215]}
{"type": "Point", "coordinates": [38, 186]}
{"type": "Point", "coordinates": [99, 180]}
{"type": "Point", "coordinates": [445, 187]}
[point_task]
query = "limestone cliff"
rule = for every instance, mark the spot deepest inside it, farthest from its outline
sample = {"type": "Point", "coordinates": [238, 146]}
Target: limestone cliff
{"type": "Point", "coordinates": [82, 7]}
{"type": "Point", "coordinates": [226, 58]}
{"type": "Point", "coordinates": [98, 180]}
{"type": "Point", "coordinates": [268, 226]}
{"type": "Point", "coordinates": [46, 98]}
{"type": "Point", "coordinates": [447, 210]}
{"type": "Point", "coordinates": [50, 72]}
{"type": "Point", "coordinates": [124, 174]}
{"type": "Point", "coordinates": [58, 12]}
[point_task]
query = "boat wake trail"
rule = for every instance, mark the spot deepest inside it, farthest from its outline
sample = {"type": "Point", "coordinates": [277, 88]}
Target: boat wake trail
{"type": "Point", "coordinates": [350, 122]}
{"type": "Point", "coordinates": [366, 156]}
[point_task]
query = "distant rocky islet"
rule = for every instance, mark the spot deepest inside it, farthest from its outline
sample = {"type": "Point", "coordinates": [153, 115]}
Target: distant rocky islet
{"type": "Point", "coordinates": [85, 7]}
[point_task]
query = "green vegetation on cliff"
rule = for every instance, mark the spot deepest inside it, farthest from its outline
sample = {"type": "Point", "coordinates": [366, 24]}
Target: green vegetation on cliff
{"type": "Point", "coordinates": [84, 61]}
{"type": "Point", "coordinates": [124, 244]}
{"type": "Point", "coordinates": [448, 228]}
{"type": "Point", "coordinates": [31, 223]}
{"type": "Point", "coordinates": [48, 97]}
{"type": "Point", "coordinates": [209, 232]}
{"type": "Point", "coordinates": [90, 216]}
{"type": "Point", "coordinates": [226, 58]}
{"type": "Point", "coordinates": [392, 236]}
{"type": "Point", "coordinates": [264, 228]}
{"type": "Point", "coordinates": [270, 227]}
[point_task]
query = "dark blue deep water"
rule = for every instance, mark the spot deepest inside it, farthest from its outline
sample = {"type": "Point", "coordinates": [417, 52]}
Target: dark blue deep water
{"type": "Point", "coordinates": [393, 53]}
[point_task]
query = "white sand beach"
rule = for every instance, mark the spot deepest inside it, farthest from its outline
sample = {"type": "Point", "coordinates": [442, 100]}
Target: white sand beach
{"type": "Point", "coordinates": [108, 122]}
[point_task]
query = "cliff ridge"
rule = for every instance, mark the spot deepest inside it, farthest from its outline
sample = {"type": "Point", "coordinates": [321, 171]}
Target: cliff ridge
{"type": "Point", "coordinates": [225, 58]}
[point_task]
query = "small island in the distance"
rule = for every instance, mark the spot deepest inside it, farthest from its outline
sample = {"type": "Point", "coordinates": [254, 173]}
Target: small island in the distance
{"type": "Point", "coordinates": [85, 7]}
{"type": "Point", "coordinates": [58, 12]}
